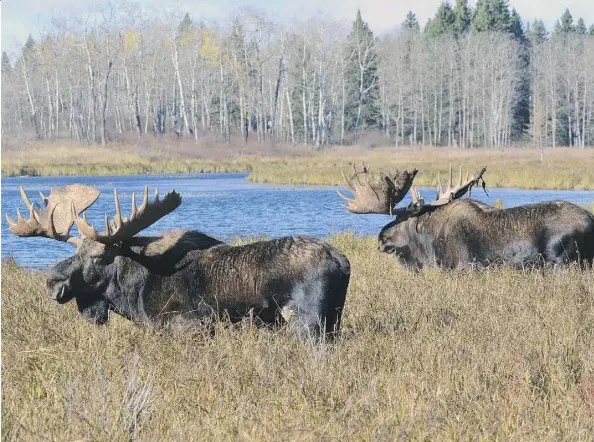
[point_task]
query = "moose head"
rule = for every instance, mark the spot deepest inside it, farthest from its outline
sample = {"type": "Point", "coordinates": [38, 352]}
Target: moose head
{"type": "Point", "coordinates": [382, 195]}
{"type": "Point", "coordinates": [89, 274]}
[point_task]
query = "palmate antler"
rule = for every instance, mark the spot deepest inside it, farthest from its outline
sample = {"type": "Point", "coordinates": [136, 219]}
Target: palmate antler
{"type": "Point", "coordinates": [444, 196]}
{"type": "Point", "coordinates": [119, 228]}
{"type": "Point", "coordinates": [376, 196]}
{"type": "Point", "coordinates": [380, 196]}
{"type": "Point", "coordinates": [55, 219]}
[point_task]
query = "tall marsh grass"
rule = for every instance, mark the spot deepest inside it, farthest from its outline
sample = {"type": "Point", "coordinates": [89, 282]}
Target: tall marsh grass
{"type": "Point", "coordinates": [466, 355]}
{"type": "Point", "coordinates": [569, 169]}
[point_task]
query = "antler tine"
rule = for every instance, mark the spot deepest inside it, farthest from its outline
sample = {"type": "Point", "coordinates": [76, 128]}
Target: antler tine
{"type": "Point", "coordinates": [24, 197]}
{"type": "Point", "coordinates": [125, 228]}
{"type": "Point", "coordinates": [144, 200]}
{"type": "Point", "coordinates": [133, 214]}
{"type": "Point", "coordinates": [347, 181]}
{"type": "Point", "coordinates": [84, 228]}
{"type": "Point", "coordinates": [439, 185]}
{"type": "Point", "coordinates": [118, 217]}
{"type": "Point", "coordinates": [452, 193]}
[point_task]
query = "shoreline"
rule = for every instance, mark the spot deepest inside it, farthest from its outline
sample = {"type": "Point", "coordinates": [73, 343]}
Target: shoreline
{"type": "Point", "coordinates": [521, 168]}
{"type": "Point", "coordinates": [308, 183]}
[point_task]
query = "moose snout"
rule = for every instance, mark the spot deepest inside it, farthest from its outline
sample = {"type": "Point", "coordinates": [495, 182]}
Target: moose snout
{"type": "Point", "coordinates": [385, 245]}
{"type": "Point", "coordinates": [57, 288]}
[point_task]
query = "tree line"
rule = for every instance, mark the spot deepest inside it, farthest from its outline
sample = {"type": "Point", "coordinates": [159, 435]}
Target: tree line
{"type": "Point", "coordinates": [470, 77]}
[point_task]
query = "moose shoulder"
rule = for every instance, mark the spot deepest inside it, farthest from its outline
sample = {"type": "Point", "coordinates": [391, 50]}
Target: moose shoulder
{"type": "Point", "coordinates": [185, 274]}
{"type": "Point", "coordinates": [452, 232]}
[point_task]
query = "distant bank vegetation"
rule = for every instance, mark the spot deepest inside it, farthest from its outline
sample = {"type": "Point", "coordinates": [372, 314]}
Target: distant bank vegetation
{"type": "Point", "coordinates": [563, 168]}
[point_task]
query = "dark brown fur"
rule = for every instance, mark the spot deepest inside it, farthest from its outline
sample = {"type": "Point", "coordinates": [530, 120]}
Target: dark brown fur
{"type": "Point", "coordinates": [191, 275]}
{"type": "Point", "coordinates": [466, 232]}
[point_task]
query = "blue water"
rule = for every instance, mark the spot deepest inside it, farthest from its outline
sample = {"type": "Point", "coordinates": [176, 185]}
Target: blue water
{"type": "Point", "coordinates": [223, 205]}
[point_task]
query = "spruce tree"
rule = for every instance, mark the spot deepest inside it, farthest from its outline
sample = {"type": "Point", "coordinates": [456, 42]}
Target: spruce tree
{"type": "Point", "coordinates": [411, 23]}
{"type": "Point", "coordinates": [580, 27]}
{"type": "Point", "coordinates": [184, 25]}
{"type": "Point", "coordinates": [362, 86]}
{"type": "Point", "coordinates": [482, 18]}
{"type": "Point", "coordinates": [502, 19]}
{"type": "Point", "coordinates": [443, 23]}
{"type": "Point", "coordinates": [461, 17]}
{"type": "Point", "coordinates": [517, 28]}
{"type": "Point", "coordinates": [537, 32]}
{"type": "Point", "coordinates": [564, 25]}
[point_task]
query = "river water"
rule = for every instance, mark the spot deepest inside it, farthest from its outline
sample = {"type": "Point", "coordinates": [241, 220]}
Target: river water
{"type": "Point", "coordinates": [224, 206]}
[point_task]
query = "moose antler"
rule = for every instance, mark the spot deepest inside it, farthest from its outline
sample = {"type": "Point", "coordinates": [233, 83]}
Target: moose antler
{"type": "Point", "coordinates": [458, 191]}
{"type": "Point", "coordinates": [55, 219]}
{"type": "Point", "coordinates": [376, 196]}
{"type": "Point", "coordinates": [119, 228]}
{"type": "Point", "coordinates": [418, 205]}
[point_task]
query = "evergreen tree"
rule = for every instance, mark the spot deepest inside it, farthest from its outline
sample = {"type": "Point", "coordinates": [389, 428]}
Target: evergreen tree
{"type": "Point", "coordinates": [537, 32]}
{"type": "Point", "coordinates": [521, 115]}
{"type": "Point", "coordinates": [411, 23]}
{"type": "Point", "coordinates": [580, 27]}
{"type": "Point", "coordinates": [443, 22]}
{"type": "Point", "coordinates": [591, 30]}
{"type": "Point", "coordinates": [362, 86]}
{"type": "Point", "coordinates": [184, 25]}
{"type": "Point", "coordinates": [501, 16]}
{"type": "Point", "coordinates": [482, 18]}
{"type": "Point", "coordinates": [461, 17]}
{"type": "Point", "coordinates": [29, 48]}
{"type": "Point", "coordinates": [491, 15]}
{"type": "Point", "coordinates": [565, 24]}
{"type": "Point", "coordinates": [517, 28]}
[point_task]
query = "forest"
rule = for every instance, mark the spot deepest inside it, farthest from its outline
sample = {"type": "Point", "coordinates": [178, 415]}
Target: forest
{"type": "Point", "coordinates": [469, 77]}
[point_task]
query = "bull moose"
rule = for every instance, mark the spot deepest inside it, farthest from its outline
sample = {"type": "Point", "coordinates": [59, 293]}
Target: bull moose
{"type": "Point", "coordinates": [451, 232]}
{"type": "Point", "coordinates": [184, 274]}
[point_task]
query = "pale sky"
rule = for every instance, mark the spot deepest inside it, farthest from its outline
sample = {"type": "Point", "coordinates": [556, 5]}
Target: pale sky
{"type": "Point", "coordinates": [23, 17]}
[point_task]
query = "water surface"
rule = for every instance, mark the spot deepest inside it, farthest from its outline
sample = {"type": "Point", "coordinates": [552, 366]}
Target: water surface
{"type": "Point", "coordinates": [224, 206]}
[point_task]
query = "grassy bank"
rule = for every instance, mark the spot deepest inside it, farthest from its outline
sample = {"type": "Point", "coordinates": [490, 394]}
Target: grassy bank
{"type": "Point", "coordinates": [72, 159]}
{"type": "Point", "coordinates": [570, 169]}
{"type": "Point", "coordinates": [563, 168]}
{"type": "Point", "coordinates": [442, 355]}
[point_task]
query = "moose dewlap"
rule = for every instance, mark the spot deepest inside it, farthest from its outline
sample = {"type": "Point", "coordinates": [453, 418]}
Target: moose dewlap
{"type": "Point", "coordinates": [184, 274]}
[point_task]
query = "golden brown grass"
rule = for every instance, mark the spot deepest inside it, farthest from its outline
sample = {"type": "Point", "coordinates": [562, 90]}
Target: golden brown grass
{"type": "Point", "coordinates": [39, 159]}
{"type": "Point", "coordinates": [465, 355]}
{"type": "Point", "coordinates": [563, 168]}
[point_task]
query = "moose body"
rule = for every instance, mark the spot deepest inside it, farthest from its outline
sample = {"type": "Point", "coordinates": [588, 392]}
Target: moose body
{"type": "Point", "coordinates": [451, 232]}
{"type": "Point", "coordinates": [467, 232]}
{"type": "Point", "coordinates": [189, 275]}
{"type": "Point", "coordinates": [186, 275]}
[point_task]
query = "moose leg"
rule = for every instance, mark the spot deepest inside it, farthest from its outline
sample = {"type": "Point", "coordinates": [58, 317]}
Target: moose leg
{"type": "Point", "coordinates": [315, 305]}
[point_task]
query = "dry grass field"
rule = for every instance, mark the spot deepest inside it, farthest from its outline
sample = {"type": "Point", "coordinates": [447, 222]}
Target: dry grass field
{"type": "Point", "coordinates": [440, 355]}
{"type": "Point", "coordinates": [563, 168]}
